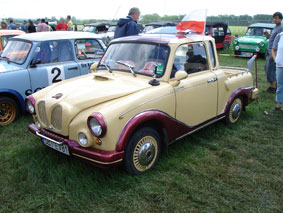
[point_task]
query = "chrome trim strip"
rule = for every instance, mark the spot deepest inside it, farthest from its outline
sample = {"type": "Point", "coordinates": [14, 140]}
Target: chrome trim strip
{"type": "Point", "coordinates": [188, 87]}
{"type": "Point", "coordinates": [95, 161]}
{"type": "Point", "coordinates": [191, 132]}
{"type": "Point", "coordinates": [43, 136]}
{"type": "Point", "coordinates": [161, 96]}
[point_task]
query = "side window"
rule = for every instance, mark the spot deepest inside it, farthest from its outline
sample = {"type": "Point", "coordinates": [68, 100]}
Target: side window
{"type": "Point", "coordinates": [53, 52]}
{"type": "Point", "coordinates": [215, 31]}
{"type": "Point", "coordinates": [88, 49]}
{"type": "Point", "coordinates": [221, 31]}
{"type": "Point", "coordinates": [212, 56]}
{"type": "Point", "coordinates": [191, 58]}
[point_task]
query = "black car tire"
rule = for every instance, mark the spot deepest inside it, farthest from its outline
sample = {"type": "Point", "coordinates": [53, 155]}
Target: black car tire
{"type": "Point", "coordinates": [234, 112]}
{"type": "Point", "coordinates": [143, 151]}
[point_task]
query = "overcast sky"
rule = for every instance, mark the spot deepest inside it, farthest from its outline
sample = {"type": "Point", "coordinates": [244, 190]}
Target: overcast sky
{"type": "Point", "coordinates": [110, 9]}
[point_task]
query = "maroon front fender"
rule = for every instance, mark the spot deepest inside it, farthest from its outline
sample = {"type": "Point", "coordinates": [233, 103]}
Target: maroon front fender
{"type": "Point", "coordinates": [173, 127]}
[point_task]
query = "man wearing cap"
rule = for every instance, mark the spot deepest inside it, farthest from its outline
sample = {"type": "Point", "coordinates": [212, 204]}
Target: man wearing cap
{"type": "Point", "coordinates": [128, 26]}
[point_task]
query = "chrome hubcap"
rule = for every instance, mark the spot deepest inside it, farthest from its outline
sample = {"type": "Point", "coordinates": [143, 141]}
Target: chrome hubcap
{"type": "Point", "coordinates": [146, 153]}
{"type": "Point", "coordinates": [236, 111]}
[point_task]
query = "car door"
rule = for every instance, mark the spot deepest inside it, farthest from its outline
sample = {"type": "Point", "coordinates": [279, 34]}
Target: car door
{"type": "Point", "coordinates": [52, 62]}
{"type": "Point", "coordinates": [88, 51]}
{"type": "Point", "coordinates": [196, 96]}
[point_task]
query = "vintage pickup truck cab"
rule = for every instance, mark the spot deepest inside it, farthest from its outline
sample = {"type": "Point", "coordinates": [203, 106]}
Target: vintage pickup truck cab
{"type": "Point", "coordinates": [145, 93]}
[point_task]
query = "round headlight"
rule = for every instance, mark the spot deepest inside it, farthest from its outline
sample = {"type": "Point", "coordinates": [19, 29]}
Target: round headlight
{"type": "Point", "coordinates": [257, 49]}
{"type": "Point", "coordinates": [235, 42]}
{"type": "Point", "coordinates": [30, 107]}
{"type": "Point", "coordinates": [95, 126]}
{"type": "Point", "coordinates": [82, 139]}
{"type": "Point", "coordinates": [261, 43]}
{"type": "Point", "coordinates": [237, 48]}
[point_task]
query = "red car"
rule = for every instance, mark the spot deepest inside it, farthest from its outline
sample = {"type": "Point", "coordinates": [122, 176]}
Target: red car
{"type": "Point", "coordinates": [220, 32]}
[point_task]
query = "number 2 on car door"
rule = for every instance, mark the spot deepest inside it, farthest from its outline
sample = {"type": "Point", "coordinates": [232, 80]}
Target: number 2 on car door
{"type": "Point", "coordinates": [55, 74]}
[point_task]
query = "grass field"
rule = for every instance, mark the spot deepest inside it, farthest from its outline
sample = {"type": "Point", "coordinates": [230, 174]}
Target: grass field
{"type": "Point", "coordinates": [217, 169]}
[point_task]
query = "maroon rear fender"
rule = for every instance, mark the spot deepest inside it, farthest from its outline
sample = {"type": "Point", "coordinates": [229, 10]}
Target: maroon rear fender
{"type": "Point", "coordinates": [243, 92]}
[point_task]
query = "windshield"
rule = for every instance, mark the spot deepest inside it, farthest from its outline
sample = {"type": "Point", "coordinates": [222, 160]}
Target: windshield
{"type": "Point", "coordinates": [258, 31]}
{"type": "Point", "coordinates": [141, 58]}
{"type": "Point", "coordinates": [16, 51]}
{"type": "Point", "coordinates": [88, 29]}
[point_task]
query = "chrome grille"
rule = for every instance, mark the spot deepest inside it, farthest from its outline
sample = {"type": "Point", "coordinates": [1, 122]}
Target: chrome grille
{"type": "Point", "coordinates": [42, 113]}
{"type": "Point", "coordinates": [56, 117]}
{"type": "Point", "coordinates": [247, 46]}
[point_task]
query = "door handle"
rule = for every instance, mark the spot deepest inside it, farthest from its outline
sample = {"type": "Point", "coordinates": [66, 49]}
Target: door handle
{"type": "Point", "coordinates": [211, 80]}
{"type": "Point", "coordinates": [73, 68]}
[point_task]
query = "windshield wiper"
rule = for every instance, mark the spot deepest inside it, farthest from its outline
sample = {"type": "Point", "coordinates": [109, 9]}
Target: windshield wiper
{"type": "Point", "coordinates": [5, 58]}
{"type": "Point", "coordinates": [131, 67]}
{"type": "Point", "coordinates": [107, 67]}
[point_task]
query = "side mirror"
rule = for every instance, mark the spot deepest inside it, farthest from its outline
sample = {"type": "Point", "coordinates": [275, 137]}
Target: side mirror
{"type": "Point", "coordinates": [34, 62]}
{"type": "Point", "coordinates": [93, 66]}
{"type": "Point", "coordinates": [180, 75]}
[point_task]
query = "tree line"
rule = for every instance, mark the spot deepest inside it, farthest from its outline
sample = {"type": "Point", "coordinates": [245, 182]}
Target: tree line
{"type": "Point", "coordinates": [232, 20]}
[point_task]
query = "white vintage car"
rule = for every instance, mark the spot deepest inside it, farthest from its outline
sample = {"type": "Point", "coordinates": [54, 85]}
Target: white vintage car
{"type": "Point", "coordinates": [145, 93]}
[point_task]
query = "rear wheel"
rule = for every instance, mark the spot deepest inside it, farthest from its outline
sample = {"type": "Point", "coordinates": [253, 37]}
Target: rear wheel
{"type": "Point", "coordinates": [9, 111]}
{"type": "Point", "coordinates": [143, 151]}
{"type": "Point", "coordinates": [235, 111]}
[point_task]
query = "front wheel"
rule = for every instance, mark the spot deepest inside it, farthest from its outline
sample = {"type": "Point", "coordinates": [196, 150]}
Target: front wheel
{"type": "Point", "coordinates": [143, 151]}
{"type": "Point", "coordinates": [235, 111]}
{"type": "Point", "coordinates": [9, 111]}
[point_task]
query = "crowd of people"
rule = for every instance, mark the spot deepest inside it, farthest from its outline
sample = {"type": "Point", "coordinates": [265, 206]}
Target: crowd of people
{"type": "Point", "coordinates": [41, 25]}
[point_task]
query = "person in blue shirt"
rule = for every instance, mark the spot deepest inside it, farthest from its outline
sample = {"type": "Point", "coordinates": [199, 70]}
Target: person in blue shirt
{"type": "Point", "coordinates": [23, 26]}
{"type": "Point", "coordinates": [128, 26]}
{"type": "Point", "coordinates": [12, 26]}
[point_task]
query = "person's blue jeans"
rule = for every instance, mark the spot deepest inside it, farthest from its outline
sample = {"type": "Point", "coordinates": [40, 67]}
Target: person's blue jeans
{"type": "Point", "coordinates": [279, 91]}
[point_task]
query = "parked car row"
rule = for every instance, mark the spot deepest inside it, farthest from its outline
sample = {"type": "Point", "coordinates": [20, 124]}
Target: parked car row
{"type": "Point", "coordinates": [144, 93]}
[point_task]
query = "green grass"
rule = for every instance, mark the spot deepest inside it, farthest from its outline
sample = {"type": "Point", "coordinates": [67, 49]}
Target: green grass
{"type": "Point", "coordinates": [217, 169]}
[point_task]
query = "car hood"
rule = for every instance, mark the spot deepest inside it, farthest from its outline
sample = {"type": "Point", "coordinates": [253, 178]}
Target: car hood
{"type": "Point", "coordinates": [8, 67]}
{"type": "Point", "coordinates": [251, 39]}
{"type": "Point", "coordinates": [78, 94]}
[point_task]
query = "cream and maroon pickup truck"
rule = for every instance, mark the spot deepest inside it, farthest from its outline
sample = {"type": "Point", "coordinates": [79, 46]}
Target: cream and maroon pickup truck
{"type": "Point", "coordinates": [145, 93]}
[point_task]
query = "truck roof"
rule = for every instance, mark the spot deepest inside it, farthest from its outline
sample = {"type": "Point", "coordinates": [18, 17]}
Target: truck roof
{"type": "Point", "coordinates": [163, 38]}
{"type": "Point", "coordinates": [263, 25]}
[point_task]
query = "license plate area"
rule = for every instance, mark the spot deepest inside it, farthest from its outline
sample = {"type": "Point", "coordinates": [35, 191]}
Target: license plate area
{"type": "Point", "coordinates": [246, 54]}
{"type": "Point", "coordinates": [63, 148]}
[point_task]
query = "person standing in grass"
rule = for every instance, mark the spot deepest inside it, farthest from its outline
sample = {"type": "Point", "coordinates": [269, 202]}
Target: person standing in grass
{"type": "Point", "coordinates": [277, 54]}
{"type": "Point", "coordinates": [270, 66]}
